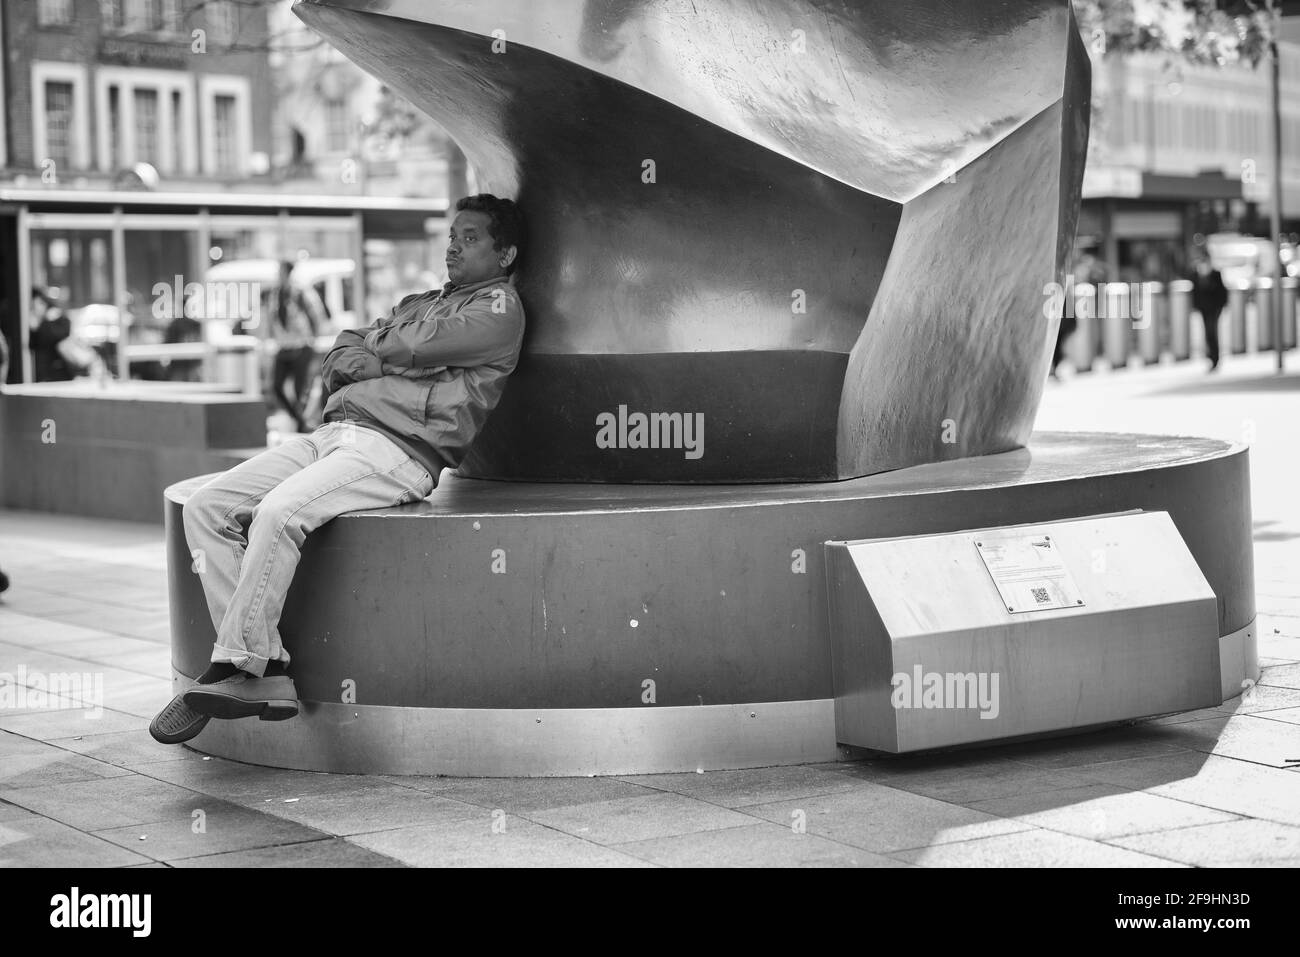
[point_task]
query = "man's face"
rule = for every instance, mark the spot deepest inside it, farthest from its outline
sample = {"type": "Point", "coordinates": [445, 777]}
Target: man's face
{"type": "Point", "coordinates": [470, 256]}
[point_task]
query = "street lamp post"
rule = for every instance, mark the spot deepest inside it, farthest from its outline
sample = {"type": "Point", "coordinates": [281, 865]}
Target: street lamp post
{"type": "Point", "coordinates": [1275, 102]}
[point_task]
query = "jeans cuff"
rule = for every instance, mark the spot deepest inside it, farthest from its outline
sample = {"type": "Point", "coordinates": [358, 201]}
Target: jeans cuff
{"type": "Point", "coordinates": [241, 658]}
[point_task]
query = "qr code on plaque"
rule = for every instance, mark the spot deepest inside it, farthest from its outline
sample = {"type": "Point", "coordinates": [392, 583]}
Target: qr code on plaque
{"type": "Point", "coordinates": [1040, 595]}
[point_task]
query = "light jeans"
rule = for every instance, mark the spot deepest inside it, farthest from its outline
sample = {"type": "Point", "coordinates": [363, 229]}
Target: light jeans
{"type": "Point", "coordinates": [281, 495]}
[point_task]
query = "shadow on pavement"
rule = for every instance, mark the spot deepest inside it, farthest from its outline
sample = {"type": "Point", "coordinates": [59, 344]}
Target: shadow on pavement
{"type": "Point", "coordinates": [1214, 384]}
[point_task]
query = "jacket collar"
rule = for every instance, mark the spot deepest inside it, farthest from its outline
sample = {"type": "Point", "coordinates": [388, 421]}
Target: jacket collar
{"type": "Point", "coordinates": [449, 289]}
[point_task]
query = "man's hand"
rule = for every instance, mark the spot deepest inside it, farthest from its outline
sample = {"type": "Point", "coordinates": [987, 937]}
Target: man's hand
{"type": "Point", "coordinates": [407, 372]}
{"type": "Point", "coordinates": [349, 361]}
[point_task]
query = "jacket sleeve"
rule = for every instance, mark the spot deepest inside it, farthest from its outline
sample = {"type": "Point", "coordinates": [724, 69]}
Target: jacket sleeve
{"type": "Point", "coordinates": [349, 361]}
{"type": "Point", "coordinates": [474, 335]}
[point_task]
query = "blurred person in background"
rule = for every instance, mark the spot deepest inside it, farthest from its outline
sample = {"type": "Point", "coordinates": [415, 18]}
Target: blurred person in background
{"type": "Point", "coordinates": [296, 318]}
{"type": "Point", "coordinates": [1087, 270]}
{"type": "Point", "coordinates": [1209, 296]}
{"type": "Point", "coordinates": [50, 327]}
{"type": "Point", "coordinates": [58, 353]}
{"type": "Point", "coordinates": [183, 328]}
{"type": "Point", "coordinates": [4, 355]}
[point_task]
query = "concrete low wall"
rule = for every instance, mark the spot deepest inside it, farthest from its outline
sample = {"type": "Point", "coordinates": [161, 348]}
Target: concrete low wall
{"type": "Point", "coordinates": [80, 449]}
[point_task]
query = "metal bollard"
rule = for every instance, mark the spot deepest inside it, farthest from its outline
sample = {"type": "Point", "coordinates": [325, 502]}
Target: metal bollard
{"type": "Point", "coordinates": [1264, 313]}
{"type": "Point", "coordinates": [1116, 327]}
{"type": "Point", "coordinates": [1236, 316]}
{"type": "Point", "coordinates": [1180, 318]}
{"type": "Point", "coordinates": [1148, 319]}
{"type": "Point", "coordinates": [1289, 285]}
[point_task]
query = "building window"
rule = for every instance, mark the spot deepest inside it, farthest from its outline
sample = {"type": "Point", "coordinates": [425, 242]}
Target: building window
{"type": "Point", "coordinates": [145, 115]}
{"type": "Point", "coordinates": [115, 157]}
{"type": "Point", "coordinates": [58, 124]}
{"type": "Point", "coordinates": [140, 16]}
{"type": "Point", "coordinates": [336, 125]}
{"type": "Point", "coordinates": [54, 13]}
{"type": "Point", "coordinates": [224, 134]}
{"type": "Point", "coordinates": [146, 125]}
{"type": "Point", "coordinates": [223, 21]}
{"type": "Point", "coordinates": [60, 114]}
{"type": "Point", "coordinates": [178, 131]}
{"type": "Point", "coordinates": [170, 16]}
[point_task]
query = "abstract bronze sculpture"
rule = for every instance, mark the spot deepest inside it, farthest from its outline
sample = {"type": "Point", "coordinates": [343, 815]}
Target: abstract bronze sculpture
{"type": "Point", "coordinates": [823, 228]}
{"type": "Point", "coordinates": [773, 243]}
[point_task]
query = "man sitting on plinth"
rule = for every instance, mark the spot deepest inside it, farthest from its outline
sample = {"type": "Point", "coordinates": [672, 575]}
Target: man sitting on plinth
{"type": "Point", "coordinates": [406, 397]}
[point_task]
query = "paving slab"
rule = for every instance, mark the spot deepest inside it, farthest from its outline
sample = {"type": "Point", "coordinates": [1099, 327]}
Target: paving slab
{"type": "Point", "coordinates": [322, 853]}
{"type": "Point", "coordinates": [247, 784]}
{"type": "Point", "coordinates": [517, 843]}
{"type": "Point", "coordinates": [1229, 844]}
{"type": "Point", "coordinates": [1281, 675]}
{"type": "Point", "coordinates": [375, 807]}
{"type": "Point", "coordinates": [965, 779]}
{"type": "Point", "coordinates": [1261, 699]}
{"type": "Point", "coordinates": [1034, 848]}
{"type": "Point", "coordinates": [111, 802]}
{"type": "Point", "coordinates": [884, 819]}
{"type": "Point", "coordinates": [755, 845]}
{"type": "Point", "coordinates": [39, 842]}
{"type": "Point", "coordinates": [758, 786]}
{"type": "Point", "coordinates": [1225, 784]}
{"type": "Point", "coordinates": [1101, 811]}
{"type": "Point", "coordinates": [127, 749]}
{"type": "Point", "coordinates": [51, 766]}
{"type": "Point", "coordinates": [523, 795]}
{"type": "Point", "coordinates": [49, 724]}
{"type": "Point", "coordinates": [637, 818]}
{"type": "Point", "coordinates": [223, 827]}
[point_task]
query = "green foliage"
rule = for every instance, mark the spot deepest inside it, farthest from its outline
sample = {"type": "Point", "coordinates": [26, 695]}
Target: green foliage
{"type": "Point", "coordinates": [1211, 32]}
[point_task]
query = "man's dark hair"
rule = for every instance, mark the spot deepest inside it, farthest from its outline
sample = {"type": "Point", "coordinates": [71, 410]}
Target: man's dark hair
{"type": "Point", "coordinates": [505, 223]}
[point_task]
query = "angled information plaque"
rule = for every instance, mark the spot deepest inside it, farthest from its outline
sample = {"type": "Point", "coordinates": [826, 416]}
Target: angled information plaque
{"type": "Point", "coordinates": [1029, 572]}
{"type": "Point", "coordinates": [1055, 625]}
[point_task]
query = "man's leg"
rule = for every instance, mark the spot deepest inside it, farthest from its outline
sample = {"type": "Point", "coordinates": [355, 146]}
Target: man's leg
{"type": "Point", "coordinates": [281, 371]}
{"type": "Point", "coordinates": [357, 469]}
{"type": "Point", "coordinates": [214, 517]}
{"type": "Point", "coordinates": [1211, 317]}
{"type": "Point", "coordinates": [302, 384]}
{"type": "Point", "coordinates": [217, 513]}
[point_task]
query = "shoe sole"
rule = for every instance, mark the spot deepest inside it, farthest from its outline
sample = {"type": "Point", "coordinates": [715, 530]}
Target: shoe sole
{"type": "Point", "coordinates": [181, 733]}
{"type": "Point", "coordinates": [227, 707]}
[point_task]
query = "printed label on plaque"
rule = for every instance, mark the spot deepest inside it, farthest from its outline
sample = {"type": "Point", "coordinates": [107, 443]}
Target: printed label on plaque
{"type": "Point", "coordinates": [1028, 572]}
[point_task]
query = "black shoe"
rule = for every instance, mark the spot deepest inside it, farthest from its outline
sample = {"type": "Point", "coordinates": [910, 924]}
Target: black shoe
{"type": "Point", "coordinates": [4, 582]}
{"type": "Point", "coordinates": [242, 695]}
{"type": "Point", "coordinates": [177, 722]}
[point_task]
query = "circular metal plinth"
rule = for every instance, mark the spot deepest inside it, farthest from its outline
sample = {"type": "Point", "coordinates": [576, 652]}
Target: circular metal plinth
{"type": "Point", "coordinates": [518, 629]}
{"type": "Point", "coordinates": [554, 742]}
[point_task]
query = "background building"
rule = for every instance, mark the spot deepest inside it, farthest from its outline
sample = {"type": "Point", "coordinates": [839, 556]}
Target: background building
{"type": "Point", "coordinates": [1180, 152]}
{"type": "Point", "coordinates": [145, 140]}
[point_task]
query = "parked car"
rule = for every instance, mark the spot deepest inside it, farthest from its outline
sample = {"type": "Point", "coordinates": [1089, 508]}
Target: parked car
{"type": "Point", "coordinates": [332, 281]}
{"type": "Point", "coordinates": [1241, 259]}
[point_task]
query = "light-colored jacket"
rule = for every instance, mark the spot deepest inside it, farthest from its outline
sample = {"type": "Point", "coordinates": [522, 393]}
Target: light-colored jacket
{"type": "Point", "coordinates": [429, 373]}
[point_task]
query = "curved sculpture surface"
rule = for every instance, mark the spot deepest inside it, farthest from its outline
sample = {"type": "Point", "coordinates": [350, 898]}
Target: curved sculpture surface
{"type": "Point", "coordinates": [806, 240]}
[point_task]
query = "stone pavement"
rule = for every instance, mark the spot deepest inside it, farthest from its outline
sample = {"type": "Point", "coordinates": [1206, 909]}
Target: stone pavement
{"type": "Point", "coordinates": [1211, 787]}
